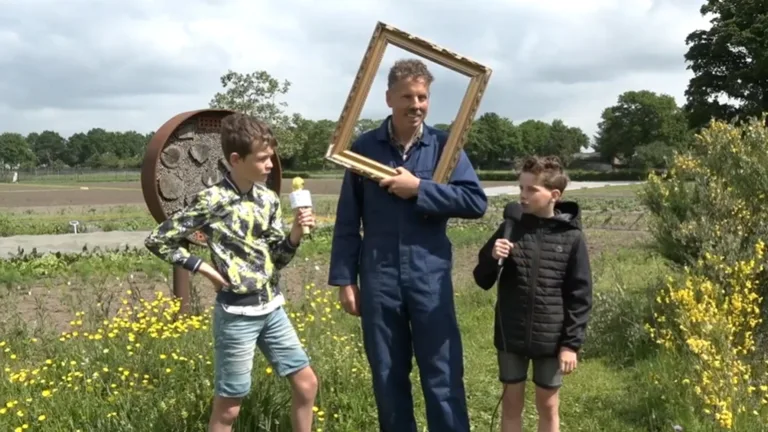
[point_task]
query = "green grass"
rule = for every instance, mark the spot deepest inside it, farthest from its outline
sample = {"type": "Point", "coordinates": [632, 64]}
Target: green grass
{"type": "Point", "coordinates": [623, 382]}
{"type": "Point", "coordinates": [617, 190]}
{"type": "Point", "coordinates": [602, 395]}
{"type": "Point", "coordinates": [116, 218]}
{"type": "Point", "coordinates": [84, 177]}
{"type": "Point", "coordinates": [598, 396]}
{"type": "Point", "coordinates": [333, 343]}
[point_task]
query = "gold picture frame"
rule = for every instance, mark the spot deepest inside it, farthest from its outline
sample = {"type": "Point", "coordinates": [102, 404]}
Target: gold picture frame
{"type": "Point", "coordinates": [383, 35]}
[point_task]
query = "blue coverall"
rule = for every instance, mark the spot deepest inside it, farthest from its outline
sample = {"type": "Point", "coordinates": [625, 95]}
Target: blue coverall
{"type": "Point", "coordinates": [404, 262]}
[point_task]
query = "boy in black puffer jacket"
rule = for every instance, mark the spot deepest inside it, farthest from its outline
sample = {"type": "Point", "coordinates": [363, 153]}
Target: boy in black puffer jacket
{"type": "Point", "coordinates": [544, 291]}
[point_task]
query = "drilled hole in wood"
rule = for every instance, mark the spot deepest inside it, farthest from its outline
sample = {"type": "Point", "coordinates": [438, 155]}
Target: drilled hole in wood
{"type": "Point", "coordinates": [209, 123]}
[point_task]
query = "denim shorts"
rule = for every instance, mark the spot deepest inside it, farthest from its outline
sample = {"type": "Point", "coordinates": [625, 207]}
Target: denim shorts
{"type": "Point", "coordinates": [235, 340]}
{"type": "Point", "coordinates": [513, 369]}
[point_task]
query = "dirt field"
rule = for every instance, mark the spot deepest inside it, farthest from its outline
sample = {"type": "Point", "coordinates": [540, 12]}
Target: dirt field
{"type": "Point", "coordinates": [24, 196]}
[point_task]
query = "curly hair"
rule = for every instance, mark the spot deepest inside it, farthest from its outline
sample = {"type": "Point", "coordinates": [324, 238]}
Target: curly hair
{"type": "Point", "coordinates": [548, 170]}
{"type": "Point", "coordinates": [409, 68]}
{"type": "Point", "coordinates": [239, 133]}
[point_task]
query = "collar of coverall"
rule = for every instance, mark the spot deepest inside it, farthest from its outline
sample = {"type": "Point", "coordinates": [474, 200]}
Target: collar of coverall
{"type": "Point", "coordinates": [386, 133]}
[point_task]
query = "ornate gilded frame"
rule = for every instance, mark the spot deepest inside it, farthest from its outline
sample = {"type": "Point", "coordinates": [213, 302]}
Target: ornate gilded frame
{"type": "Point", "coordinates": [384, 34]}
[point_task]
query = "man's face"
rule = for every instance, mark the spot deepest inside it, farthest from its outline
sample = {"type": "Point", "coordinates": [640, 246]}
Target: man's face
{"type": "Point", "coordinates": [256, 166]}
{"type": "Point", "coordinates": [409, 100]}
{"type": "Point", "coordinates": [535, 198]}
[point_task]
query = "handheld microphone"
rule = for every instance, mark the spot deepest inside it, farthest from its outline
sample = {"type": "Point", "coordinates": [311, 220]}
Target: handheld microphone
{"type": "Point", "coordinates": [512, 211]}
{"type": "Point", "coordinates": [300, 198]}
{"type": "Point", "coordinates": [507, 234]}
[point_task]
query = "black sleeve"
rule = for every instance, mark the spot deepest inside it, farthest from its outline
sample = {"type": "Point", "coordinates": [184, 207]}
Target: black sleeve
{"type": "Point", "coordinates": [487, 268]}
{"type": "Point", "coordinates": [577, 296]}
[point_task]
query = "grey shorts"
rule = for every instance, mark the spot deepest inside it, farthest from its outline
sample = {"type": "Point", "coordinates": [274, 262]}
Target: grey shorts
{"type": "Point", "coordinates": [513, 369]}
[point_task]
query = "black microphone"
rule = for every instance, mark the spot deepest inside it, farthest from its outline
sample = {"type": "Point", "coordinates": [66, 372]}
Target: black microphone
{"type": "Point", "coordinates": [512, 211]}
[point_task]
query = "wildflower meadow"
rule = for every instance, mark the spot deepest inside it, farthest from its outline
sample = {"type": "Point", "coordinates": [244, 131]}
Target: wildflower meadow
{"type": "Point", "coordinates": [94, 341]}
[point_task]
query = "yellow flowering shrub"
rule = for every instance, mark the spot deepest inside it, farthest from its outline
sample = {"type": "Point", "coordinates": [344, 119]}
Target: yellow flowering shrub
{"type": "Point", "coordinates": [706, 214]}
{"type": "Point", "coordinates": [713, 323]}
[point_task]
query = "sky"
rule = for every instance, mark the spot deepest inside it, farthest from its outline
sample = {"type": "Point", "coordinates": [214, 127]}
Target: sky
{"type": "Point", "coordinates": [72, 65]}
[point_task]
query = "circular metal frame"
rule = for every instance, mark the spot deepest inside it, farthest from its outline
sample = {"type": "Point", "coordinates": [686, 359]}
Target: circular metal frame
{"type": "Point", "coordinates": [155, 148]}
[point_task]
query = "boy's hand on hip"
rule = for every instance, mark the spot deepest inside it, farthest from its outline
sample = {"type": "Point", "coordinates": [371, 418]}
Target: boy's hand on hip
{"type": "Point", "coordinates": [568, 360]}
{"type": "Point", "coordinates": [501, 249]}
{"type": "Point", "coordinates": [213, 275]}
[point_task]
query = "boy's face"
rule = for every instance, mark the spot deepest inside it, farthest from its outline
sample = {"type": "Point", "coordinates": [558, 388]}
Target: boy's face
{"type": "Point", "coordinates": [254, 167]}
{"type": "Point", "coordinates": [534, 197]}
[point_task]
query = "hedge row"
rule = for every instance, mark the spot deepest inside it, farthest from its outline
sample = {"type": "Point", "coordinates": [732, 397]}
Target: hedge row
{"type": "Point", "coordinates": [575, 175]}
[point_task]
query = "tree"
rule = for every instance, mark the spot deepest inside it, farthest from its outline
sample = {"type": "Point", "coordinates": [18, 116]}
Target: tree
{"type": "Point", "coordinates": [494, 141]}
{"type": "Point", "coordinates": [563, 141]}
{"type": "Point", "coordinates": [491, 140]}
{"type": "Point", "coordinates": [638, 119]}
{"type": "Point", "coordinates": [654, 155]}
{"type": "Point", "coordinates": [253, 94]}
{"type": "Point", "coordinates": [729, 61]}
{"type": "Point", "coordinates": [49, 147]}
{"type": "Point", "coordinates": [256, 94]}
{"type": "Point", "coordinates": [534, 135]}
{"type": "Point", "coordinates": [317, 137]}
{"type": "Point", "coordinates": [14, 150]}
{"type": "Point", "coordinates": [364, 125]}
{"type": "Point", "coordinates": [311, 139]}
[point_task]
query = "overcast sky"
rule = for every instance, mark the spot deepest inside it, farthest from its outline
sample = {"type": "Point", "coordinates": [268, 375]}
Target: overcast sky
{"type": "Point", "coordinates": [71, 65]}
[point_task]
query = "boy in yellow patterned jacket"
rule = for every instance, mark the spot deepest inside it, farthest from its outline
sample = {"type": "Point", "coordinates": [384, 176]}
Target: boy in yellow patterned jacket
{"type": "Point", "coordinates": [242, 221]}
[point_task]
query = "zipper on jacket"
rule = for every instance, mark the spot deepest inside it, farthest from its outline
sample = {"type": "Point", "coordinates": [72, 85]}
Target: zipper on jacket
{"type": "Point", "coordinates": [532, 288]}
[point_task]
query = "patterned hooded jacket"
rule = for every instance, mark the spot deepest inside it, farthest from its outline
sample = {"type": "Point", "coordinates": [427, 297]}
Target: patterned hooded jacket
{"type": "Point", "coordinates": [244, 233]}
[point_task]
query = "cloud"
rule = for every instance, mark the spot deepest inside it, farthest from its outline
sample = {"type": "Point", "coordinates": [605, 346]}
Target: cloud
{"type": "Point", "coordinates": [71, 66]}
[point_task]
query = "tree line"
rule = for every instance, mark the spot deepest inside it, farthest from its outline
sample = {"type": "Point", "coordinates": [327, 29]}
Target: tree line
{"type": "Point", "coordinates": [492, 142]}
{"type": "Point", "coordinates": [642, 129]}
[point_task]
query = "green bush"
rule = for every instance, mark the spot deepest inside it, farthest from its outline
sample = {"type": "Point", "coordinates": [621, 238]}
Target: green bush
{"type": "Point", "coordinates": [291, 174]}
{"type": "Point", "coordinates": [713, 197]}
{"type": "Point", "coordinates": [625, 284]}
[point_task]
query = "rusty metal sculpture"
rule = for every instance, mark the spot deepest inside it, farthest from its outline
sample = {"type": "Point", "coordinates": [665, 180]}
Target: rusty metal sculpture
{"type": "Point", "coordinates": [182, 158]}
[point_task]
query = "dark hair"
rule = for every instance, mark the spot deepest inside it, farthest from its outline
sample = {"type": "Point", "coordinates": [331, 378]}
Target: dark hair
{"type": "Point", "coordinates": [409, 68]}
{"type": "Point", "coordinates": [548, 170]}
{"type": "Point", "coordinates": [240, 132]}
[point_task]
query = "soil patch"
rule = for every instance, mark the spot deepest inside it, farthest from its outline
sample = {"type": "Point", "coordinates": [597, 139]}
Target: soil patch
{"type": "Point", "coordinates": [32, 196]}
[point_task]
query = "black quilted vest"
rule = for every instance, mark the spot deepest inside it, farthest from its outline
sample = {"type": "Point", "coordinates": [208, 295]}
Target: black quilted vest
{"type": "Point", "coordinates": [529, 310]}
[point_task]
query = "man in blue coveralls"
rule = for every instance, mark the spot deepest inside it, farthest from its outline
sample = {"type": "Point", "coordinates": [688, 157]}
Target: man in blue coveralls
{"type": "Point", "coordinates": [404, 259]}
